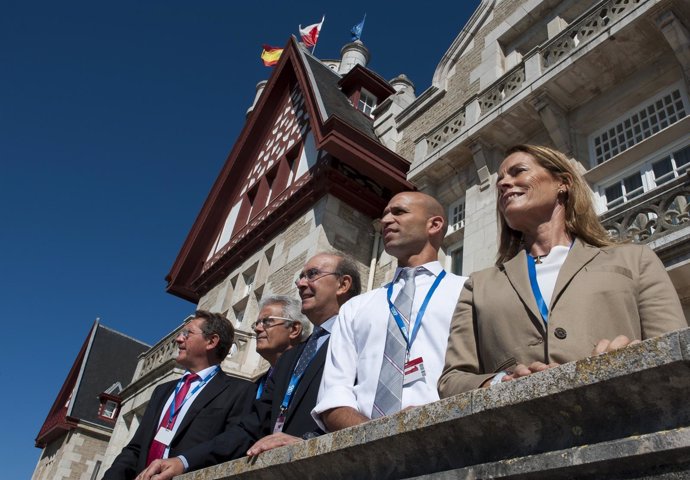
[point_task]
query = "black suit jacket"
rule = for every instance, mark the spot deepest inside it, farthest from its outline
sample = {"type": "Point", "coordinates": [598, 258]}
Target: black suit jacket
{"type": "Point", "coordinates": [298, 419]}
{"type": "Point", "coordinates": [218, 406]}
{"type": "Point", "coordinates": [260, 421]}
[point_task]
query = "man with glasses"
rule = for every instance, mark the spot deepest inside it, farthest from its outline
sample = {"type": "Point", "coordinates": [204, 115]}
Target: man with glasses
{"type": "Point", "coordinates": [182, 415]}
{"type": "Point", "coordinates": [280, 327]}
{"type": "Point", "coordinates": [282, 415]}
{"type": "Point", "coordinates": [325, 283]}
{"type": "Point", "coordinates": [388, 346]}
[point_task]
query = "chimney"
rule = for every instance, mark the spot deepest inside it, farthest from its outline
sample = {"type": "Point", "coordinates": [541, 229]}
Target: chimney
{"type": "Point", "coordinates": [259, 90]}
{"type": "Point", "coordinates": [352, 54]}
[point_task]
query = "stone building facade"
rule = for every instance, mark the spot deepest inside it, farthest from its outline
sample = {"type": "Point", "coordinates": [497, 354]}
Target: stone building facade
{"type": "Point", "coordinates": [78, 427]}
{"type": "Point", "coordinates": [605, 82]}
{"type": "Point", "coordinates": [314, 177]}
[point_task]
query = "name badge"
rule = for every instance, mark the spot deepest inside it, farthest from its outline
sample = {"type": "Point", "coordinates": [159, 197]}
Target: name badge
{"type": "Point", "coordinates": [164, 436]}
{"type": "Point", "coordinates": [414, 370]}
{"type": "Point", "coordinates": [279, 423]}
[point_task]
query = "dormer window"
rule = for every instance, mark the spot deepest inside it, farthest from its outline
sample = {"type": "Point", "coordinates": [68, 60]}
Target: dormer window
{"type": "Point", "coordinates": [109, 409]}
{"type": "Point", "coordinates": [109, 402]}
{"type": "Point", "coordinates": [366, 103]}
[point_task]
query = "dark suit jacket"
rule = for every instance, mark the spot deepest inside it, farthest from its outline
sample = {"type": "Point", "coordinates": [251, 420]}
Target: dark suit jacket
{"type": "Point", "coordinates": [260, 421]}
{"type": "Point", "coordinates": [298, 420]}
{"type": "Point", "coordinates": [220, 404]}
{"type": "Point", "coordinates": [599, 293]}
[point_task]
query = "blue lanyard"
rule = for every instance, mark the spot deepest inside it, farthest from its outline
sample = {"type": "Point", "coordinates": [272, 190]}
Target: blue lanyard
{"type": "Point", "coordinates": [418, 321]}
{"type": "Point", "coordinates": [536, 291]}
{"type": "Point", "coordinates": [173, 412]}
{"type": "Point", "coordinates": [292, 386]}
{"type": "Point", "coordinates": [262, 383]}
{"type": "Point", "coordinates": [541, 304]}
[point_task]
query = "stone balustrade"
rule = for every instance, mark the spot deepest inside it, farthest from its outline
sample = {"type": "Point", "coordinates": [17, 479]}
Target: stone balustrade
{"type": "Point", "coordinates": [621, 415]}
{"type": "Point", "coordinates": [598, 19]}
{"type": "Point", "coordinates": [652, 215]}
{"type": "Point", "coordinates": [160, 354]}
{"type": "Point", "coordinates": [504, 88]}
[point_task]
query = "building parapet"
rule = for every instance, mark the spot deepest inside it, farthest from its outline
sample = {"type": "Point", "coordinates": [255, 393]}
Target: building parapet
{"type": "Point", "coordinates": [617, 415]}
{"type": "Point", "coordinates": [527, 76]}
{"type": "Point", "coordinates": [598, 19]}
{"type": "Point", "coordinates": [652, 215]}
{"type": "Point", "coordinates": [162, 353]}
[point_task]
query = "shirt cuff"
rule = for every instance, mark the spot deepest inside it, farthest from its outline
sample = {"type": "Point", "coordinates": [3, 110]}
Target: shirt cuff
{"type": "Point", "coordinates": [184, 462]}
{"type": "Point", "coordinates": [498, 377]}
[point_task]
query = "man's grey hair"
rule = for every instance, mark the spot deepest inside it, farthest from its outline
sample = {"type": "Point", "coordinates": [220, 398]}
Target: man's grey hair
{"type": "Point", "coordinates": [292, 309]}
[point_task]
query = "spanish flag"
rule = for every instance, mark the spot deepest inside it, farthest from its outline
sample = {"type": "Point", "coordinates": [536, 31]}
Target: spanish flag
{"type": "Point", "coordinates": [271, 55]}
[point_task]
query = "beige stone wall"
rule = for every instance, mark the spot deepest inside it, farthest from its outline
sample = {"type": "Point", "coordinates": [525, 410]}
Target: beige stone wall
{"type": "Point", "coordinates": [329, 225]}
{"type": "Point", "coordinates": [463, 82]}
{"type": "Point", "coordinates": [73, 456]}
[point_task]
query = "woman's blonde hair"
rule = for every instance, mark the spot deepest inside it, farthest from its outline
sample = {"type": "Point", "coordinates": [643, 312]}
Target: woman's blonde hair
{"type": "Point", "coordinates": [580, 218]}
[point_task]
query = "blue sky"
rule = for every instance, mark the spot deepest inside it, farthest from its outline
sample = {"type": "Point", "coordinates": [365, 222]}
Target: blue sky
{"type": "Point", "coordinates": [115, 119]}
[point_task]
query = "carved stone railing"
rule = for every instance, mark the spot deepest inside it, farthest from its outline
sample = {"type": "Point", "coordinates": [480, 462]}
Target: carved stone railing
{"type": "Point", "coordinates": [625, 414]}
{"type": "Point", "coordinates": [160, 354]}
{"type": "Point", "coordinates": [597, 20]}
{"type": "Point", "coordinates": [446, 131]}
{"type": "Point", "coordinates": [579, 33]}
{"type": "Point", "coordinates": [504, 88]}
{"type": "Point", "coordinates": [652, 215]}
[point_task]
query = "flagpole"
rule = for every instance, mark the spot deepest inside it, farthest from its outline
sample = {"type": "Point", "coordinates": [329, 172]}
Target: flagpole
{"type": "Point", "coordinates": [323, 17]}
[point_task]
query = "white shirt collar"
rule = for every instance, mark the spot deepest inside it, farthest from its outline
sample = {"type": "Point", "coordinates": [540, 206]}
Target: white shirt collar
{"type": "Point", "coordinates": [434, 268]}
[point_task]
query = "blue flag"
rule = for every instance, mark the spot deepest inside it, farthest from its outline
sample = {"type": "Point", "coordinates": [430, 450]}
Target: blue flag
{"type": "Point", "coordinates": [357, 29]}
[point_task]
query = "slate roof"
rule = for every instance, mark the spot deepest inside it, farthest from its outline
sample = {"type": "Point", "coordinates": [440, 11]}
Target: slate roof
{"type": "Point", "coordinates": [332, 101]}
{"type": "Point", "coordinates": [107, 357]}
{"type": "Point", "coordinates": [112, 358]}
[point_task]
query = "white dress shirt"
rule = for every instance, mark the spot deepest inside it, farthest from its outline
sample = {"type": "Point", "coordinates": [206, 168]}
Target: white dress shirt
{"type": "Point", "coordinates": [355, 352]}
{"type": "Point", "coordinates": [547, 271]}
{"type": "Point", "coordinates": [205, 376]}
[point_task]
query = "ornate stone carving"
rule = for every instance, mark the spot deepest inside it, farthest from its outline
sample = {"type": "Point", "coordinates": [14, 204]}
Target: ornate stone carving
{"type": "Point", "coordinates": [580, 32]}
{"type": "Point", "coordinates": [652, 215]}
{"type": "Point", "coordinates": [504, 88]}
{"type": "Point", "coordinates": [446, 131]}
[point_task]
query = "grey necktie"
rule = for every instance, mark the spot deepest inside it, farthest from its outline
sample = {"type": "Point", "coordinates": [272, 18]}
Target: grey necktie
{"type": "Point", "coordinates": [388, 397]}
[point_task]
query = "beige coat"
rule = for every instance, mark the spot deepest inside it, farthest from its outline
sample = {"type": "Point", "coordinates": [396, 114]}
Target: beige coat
{"type": "Point", "coordinates": [600, 293]}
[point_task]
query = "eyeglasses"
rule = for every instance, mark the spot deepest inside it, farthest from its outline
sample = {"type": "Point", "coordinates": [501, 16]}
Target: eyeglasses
{"type": "Point", "coordinates": [268, 322]}
{"type": "Point", "coordinates": [313, 274]}
{"type": "Point", "coordinates": [185, 332]}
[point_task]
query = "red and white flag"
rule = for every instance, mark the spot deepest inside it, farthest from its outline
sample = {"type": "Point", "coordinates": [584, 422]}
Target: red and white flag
{"type": "Point", "coordinates": [310, 33]}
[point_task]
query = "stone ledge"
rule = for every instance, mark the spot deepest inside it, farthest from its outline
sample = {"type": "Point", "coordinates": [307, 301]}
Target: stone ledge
{"type": "Point", "coordinates": [634, 457]}
{"type": "Point", "coordinates": [584, 406]}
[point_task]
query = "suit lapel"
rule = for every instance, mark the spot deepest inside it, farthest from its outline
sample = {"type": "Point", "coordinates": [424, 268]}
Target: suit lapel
{"type": "Point", "coordinates": [209, 392]}
{"type": "Point", "coordinates": [578, 257]}
{"type": "Point", "coordinates": [518, 276]}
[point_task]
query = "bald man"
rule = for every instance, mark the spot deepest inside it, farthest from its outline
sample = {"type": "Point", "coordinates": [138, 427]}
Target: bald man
{"type": "Point", "coordinates": [388, 346]}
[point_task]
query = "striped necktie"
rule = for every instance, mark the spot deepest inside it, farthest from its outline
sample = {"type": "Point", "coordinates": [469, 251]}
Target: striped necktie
{"type": "Point", "coordinates": [388, 397]}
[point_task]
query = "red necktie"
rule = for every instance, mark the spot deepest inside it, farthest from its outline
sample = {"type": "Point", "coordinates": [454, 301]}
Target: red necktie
{"type": "Point", "coordinates": [157, 448]}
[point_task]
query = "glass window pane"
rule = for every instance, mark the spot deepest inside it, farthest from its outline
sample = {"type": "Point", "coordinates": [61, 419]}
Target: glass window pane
{"type": "Point", "coordinates": [633, 182]}
{"type": "Point", "coordinates": [682, 156]}
{"type": "Point", "coordinates": [613, 192]}
{"type": "Point", "coordinates": [663, 171]}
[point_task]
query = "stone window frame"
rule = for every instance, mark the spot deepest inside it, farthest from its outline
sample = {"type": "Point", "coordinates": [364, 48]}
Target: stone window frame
{"type": "Point", "coordinates": [452, 256]}
{"type": "Point", "coordinates": [456, 215]}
